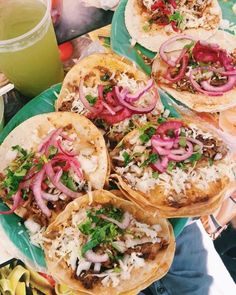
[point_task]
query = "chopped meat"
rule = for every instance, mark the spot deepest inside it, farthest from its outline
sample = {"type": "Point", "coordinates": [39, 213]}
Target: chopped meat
{"type": "Point", "coordinates": [148, 250]}
{"type": "Point", "coordinates": [87, 279]}
{"type": "Point", "coordinates": [184, 85]}
{"type": "Point", "coordinates": [212, 147]}
{"type": "Point", "coordinates": [218, 82]}
{"type": "Point", "coordinates": [66, 106]}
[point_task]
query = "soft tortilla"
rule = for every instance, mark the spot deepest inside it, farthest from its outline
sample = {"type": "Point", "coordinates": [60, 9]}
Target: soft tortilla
{"type": "Point", "coordinates": [195, 202]}
{"type": "Point", "coordinates": [200, 102]}
{"type": "Point", "coordinates": [140, 278]}
{"type": "Point", "coordinates": [153, 39]}
{"type": "Point", "coordinates": [30, 133]}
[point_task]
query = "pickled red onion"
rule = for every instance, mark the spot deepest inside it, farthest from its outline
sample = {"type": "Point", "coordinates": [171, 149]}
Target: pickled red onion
{"type": "Point", "coordinates": [137, 95]}
{"type": "Point", "coordinates": [17, 199]}
{"type": "Point", "coordinates": [168, 42]}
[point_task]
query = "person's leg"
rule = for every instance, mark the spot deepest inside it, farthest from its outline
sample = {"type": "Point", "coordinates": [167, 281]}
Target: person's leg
{"type": "Point", "coordinates": [197, 268]}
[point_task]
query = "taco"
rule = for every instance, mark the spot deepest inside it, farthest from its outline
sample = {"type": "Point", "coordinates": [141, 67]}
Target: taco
{"type": "Point", "coordinates": [47, 161]}
{"type": "Point", "coordinates": [179, 168]}
{"type": "Point", "coordinates": [202, 75]}
{"type": "Point", "coordinates": [112, 93]}
{"type": "Point", "coordinates": [108, 246]}
{"type": "Point", "coordinates": [152, 22]}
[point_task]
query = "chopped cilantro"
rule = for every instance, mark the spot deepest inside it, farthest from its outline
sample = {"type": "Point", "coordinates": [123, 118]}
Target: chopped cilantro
{"type": "Point", "coordinates": [161, 120]}
{"type": "Point", "coordinates": [176, 17]}
{"type": "Point", "coordinates": [170, 133]}
{"type": "Point", "coordinates": [195, 157]}
{"type": "Point", "coordinates": [105, 77]}
{"type": "Point", "coordinates": [144, 138]}
{"type": "Point", "coordinates": [155, 175]}
{"type": "Point", "coordinates": [127, 158]}
{"type": "Point", "coordinates": [181, 165]}
{"type": "Point", "coordinates": [107, 88]}
{"type": "Point", "coordinates": [17, 170]}
{"type": "Point", "coordinates": [171, 166]}
{"type": "Point", "coordinates": [68, 181]}
{"type": "Point", "coordinates": [190, 45]}
{"type": "Point", "coordinates": [146, 27]}
{"type": "Point", "coordinates": [91, 99]}
{"type": "Point", "coordinates": [183, 142]}
{"type": "Point", "coordinates": [52, 151]}
{"type": "Point", "coordinates": [85, 227]}
{"type": "Point", "coordinates": [147, 134]}
{"type": "Point", "coordinates": [151, 160]}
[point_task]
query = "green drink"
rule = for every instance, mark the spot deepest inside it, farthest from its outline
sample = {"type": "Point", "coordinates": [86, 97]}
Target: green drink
{"type": "Point", "coordinates": [29, 54]}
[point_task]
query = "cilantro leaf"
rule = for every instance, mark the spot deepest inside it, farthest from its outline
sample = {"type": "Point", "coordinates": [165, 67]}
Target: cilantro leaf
{"type": "Point", "coordinates": [127, 158]}
{"type": "Point", "coordinates": [68, 181]}
{"type": "Point", "coordinates": [52, 151]}
{"type": "Point", "coordinates": [176, 17]}
{"type": "Point", "coordinates": [151, 160]}
{"type": "Point", "coordinates": [195, 157]}
{"type": "Point", "coordinates": [91, 99]}
{"type": "Point", "coordinates": [105, 77]}
{"type": "Point", "coordinates": [147, 134]}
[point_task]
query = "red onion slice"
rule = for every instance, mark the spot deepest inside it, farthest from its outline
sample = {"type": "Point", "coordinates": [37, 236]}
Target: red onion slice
{"type": "Point", "coordinates": [137, 95]}
{"type": "Point", "coordinates": [158, 166]}
{"type": "Point", "coordinates": [63, 150]}
{"type": "Point", "coordinates": [17, 199]}
{"type": "Point", "coordinates": [61, 187]}
{"type": "Point", "coordinates": [164, 162]}
{"type": "Point", "coordinates": [181, 73]}
{"type": "Point", "coordinates": [123, 225]}
{"type": "Point", "coordinates": [37, 191]}
{"type": "Point", "coordinates": [185, 156]}
{"type": "Point", "coordinates": [164, 143]}
{"type": "Point", "coordinates": [49, 197]}
{"type": "Point", "coordinates": [170, 125]}
{"type": "Point", "coordinates": [138, 110]}
{"type": "Point", "coordinates": [110, 110]}
{"type": "Point", "coordinates": [96, 258]}
{"type": "Point", "coordinates": [169, 42]}
{"type": "Point", "coordinates": [161, 151]}
{"type": "Point", "coordinates": [196, 141]}
{"type": "Point", "coordinates": [224, 88]}
{"type": "Point", "coordinates": [198, 87]}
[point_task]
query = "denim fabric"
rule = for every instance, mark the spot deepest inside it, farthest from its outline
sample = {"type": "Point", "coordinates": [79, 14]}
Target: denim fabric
{"type": "Point", "coordinates": [197, 268]}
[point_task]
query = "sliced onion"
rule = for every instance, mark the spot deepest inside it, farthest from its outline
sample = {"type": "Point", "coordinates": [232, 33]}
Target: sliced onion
{"type": "Point", "coordinates": [50, 141]}
{"type": "Point", "coordinates": [49, 197]}
{"type": "Point", "coordinates": [138, 110]}
{"type": "Point", "coordinates": [167, 43]}
{"type": "Point", "coordinates": [181, 73]}
{"type": "Point", "coordinates": [37, 191]}
{"type": "Point", "coordinates": [17, 199]}
{"type": "Point", "coordinates": [123, 225]}
{"type": "Point", "coordinates": [72, 161]}
{"type": "Point", "coordinates": [161, 151]}
{"type": "Point", "coordinates": [110, 110]}
{"type": "Point", "coordinates": [185, 156]}
{"type": "Point", "coordinates": [198, 87]}
{"type": "Point", "coordinates": [96, 258]}
{"type": "Point", "coordinates": [170, 125]}
{"type": "Point", "coordinates": [58, 174]}
{"type": "Point", "coordinates": [61, 187]}
{"type": "Point", "coordinates": [224, 88]}
{"type": "Point", "coordinates": [196, 141]}
{"type": "Point", "coordinates": [164, 162]}
{"type": "Point", "coordinates": [63, 150]}
{"type": "Point", "coordinates": [158, 166]}
{"type": "Point", "coordinates": [165, 143]}
{"type": "Point", "coordinates": [97, 267]}
{"type": "Point", "coordinates": [137, 95]}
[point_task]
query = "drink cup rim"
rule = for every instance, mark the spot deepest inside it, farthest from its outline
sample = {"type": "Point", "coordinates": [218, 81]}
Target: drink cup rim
{"type": "Point", "coordinates": [32, 31]}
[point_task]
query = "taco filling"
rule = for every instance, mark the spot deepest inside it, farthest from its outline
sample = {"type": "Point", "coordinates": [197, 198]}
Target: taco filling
{"type": "Point", "coordinates": [115, 100]}
{"type": "Point", "coordinates": [200, 67]}
{"type": "Point", "coordinates": [178, 15]}
{"type": "Point", "coordinates": [103, 244]}
{"type": "Point", "coordinates": [179, 158]}
{"type": "Point", "coordinates": [44, 180]}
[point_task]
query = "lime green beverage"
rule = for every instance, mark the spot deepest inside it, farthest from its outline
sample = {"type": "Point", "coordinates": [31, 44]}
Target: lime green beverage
{"type": "Point", "coordinates": [29, 54]}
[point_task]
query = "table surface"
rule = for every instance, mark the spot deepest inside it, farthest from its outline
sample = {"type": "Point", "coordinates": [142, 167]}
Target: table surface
{"type": "Point", "coordinates": [78, 20]}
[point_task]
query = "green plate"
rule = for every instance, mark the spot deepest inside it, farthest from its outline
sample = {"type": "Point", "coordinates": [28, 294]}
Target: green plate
{"type": "Point", "coordinates": [120, 37]}
{"type": "Point", "coordinates": [12, 224]}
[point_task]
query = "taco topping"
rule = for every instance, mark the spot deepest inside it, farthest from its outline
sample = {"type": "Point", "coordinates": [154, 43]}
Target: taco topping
{"type": "Point", "coordinates": [201, 67]}
{"type": "Point", "coordinates": [178, 15]}
{"type": "Point", "coordinates": [118, 97]}
{"type": "Point", "coordinates": [47, 176]}
{"type": "Point", "coordinates": [173, 155]}
{"type": "Point", "coordinates": [103, 244]}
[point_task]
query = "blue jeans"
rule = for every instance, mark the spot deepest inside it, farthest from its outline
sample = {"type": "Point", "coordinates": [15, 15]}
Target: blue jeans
{"type": "Point", "coordinates": [197, 268]}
